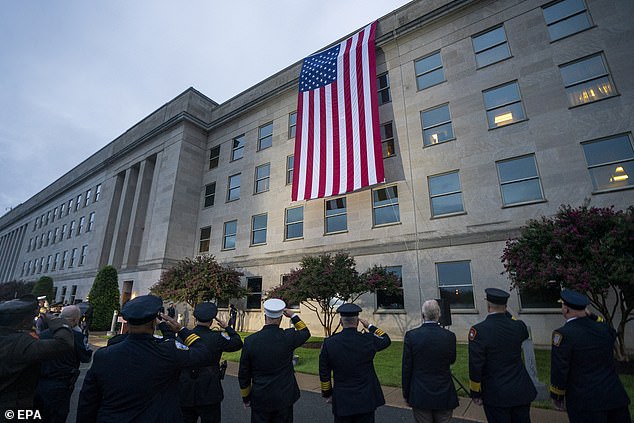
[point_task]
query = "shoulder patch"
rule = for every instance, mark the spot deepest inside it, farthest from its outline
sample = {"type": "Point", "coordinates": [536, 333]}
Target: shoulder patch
{"type": "Point", "coordinates": [181, 346]}
{"type": "Point", "coordinates": [225, 335]}
{"type": "Point", "coordinates": [472, 334]}
{"type": "Point", "coordinates": [557, 338]}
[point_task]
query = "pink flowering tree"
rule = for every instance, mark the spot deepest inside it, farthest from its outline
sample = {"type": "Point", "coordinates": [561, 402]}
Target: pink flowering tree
{"type": "Point", "coordinates": [322, 283]}
{"type": "Point", "coordinates": [198, 279]}
{"type": "Point", "coordinates": [587, 249]}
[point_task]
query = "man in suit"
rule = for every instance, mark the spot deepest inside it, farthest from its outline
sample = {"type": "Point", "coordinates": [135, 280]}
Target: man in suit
{"type": "Point", "coordinates": [200, 387]}
{"type": "Point", "coordinates": [428, 353]}
{"type": "Point", "coordinates": [582, 369]}
{"type": "Point", "coordinates": [349, 357]}
{"type": "Point", "coordinates": [134, 380]}
{"type": "Point", "coordinates": [498, 377]}
{"type": "Point", "coordinates": [266, 374]}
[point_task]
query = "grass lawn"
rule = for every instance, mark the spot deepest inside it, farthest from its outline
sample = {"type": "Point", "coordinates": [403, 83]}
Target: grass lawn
{"type": "Point", "coordinates": [388, 366]}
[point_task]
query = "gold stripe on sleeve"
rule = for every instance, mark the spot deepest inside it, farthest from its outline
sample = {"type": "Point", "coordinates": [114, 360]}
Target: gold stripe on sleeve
{"type": "Point", "coordinates": [300, 325]}
{"type": "Point", "coordinates": [244, 392]}
{"type": "Point", "coordinates": [191, 339]}
{"type": "Point", "coordinates": [475, 386]}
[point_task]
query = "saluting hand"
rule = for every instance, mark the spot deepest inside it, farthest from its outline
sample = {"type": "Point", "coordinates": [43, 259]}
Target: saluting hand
{"type": "Point", "coordinates": [364, 323]}
{"type": "Point", "coordinates": [173, 323]}
{"type": "Point", "coordinates": [288, 313]}
{"type": "Point", "coordinates": [221, 323]}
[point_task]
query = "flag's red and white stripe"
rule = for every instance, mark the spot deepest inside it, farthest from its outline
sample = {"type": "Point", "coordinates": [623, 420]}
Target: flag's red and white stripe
{"type": "Point", "coordinates": [338, 141]}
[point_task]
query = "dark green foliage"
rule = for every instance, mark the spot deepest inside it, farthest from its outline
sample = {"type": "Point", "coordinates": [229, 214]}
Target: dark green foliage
{"type": "Point", "coordinates": [104, 298]}
{"type": "Point", "coordinates": [44, 286]}
{"type": "Point", "coordinates": [15, 289]}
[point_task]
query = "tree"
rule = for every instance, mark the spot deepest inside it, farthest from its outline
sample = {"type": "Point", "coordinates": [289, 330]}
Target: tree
{"type": "Point", "coordinates": [15, 289]}
{"type": "Point", "coordinates": [324, 282]}
{"type": "Point", "coordinates": [199, 279]}
{"type": "Point", "coordinates": [104, 298]}
{"type": "Point", "coordinates": [587, 249]}
{"type": "Point", "coordinates": [44, 286]}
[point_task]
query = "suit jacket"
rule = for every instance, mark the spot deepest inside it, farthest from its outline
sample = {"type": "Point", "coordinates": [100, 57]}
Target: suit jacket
{"type": "Point", "coordinates": [349, 356]}
{"type": "Point", "coordinates": [201, 385]}
{"type": "Point", "coordinates": [135, 379]}
{"type": "Point", "coordinates": [66, 367]}
{"type": "Point", "coordinates": [582, 366]}
{"type": "Point", "coordinates": [496, 371]}
{"type": "Point", "coordinates": [266, 374]}
{"type": "Point", "coordinates": [428, 353]}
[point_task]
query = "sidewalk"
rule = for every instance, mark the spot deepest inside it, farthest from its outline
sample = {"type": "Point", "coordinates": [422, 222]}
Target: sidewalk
{"type": "Point", "coordinates": [393, 397]}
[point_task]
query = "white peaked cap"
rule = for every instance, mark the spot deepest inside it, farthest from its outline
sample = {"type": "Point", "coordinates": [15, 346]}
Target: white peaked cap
{"type": "Point", "coordinates": [274, 308]}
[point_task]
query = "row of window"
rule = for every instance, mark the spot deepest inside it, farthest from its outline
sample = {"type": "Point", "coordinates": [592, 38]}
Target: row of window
{"type": "Point", "coordinates": [82, 200]}
{"type": "Point", "coordinates": [609, 160]}
{"type": "Point", "coordinates": [56, 235]}
{"type": "Point", "coordinates": [53, 263]}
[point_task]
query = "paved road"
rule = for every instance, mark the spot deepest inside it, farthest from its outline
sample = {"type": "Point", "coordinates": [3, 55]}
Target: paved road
{"type": "Point", "coordinates": [310, 408]}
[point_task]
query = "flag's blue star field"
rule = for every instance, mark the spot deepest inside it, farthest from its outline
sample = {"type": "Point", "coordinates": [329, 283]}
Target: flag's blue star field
{"type": "Point", "coordinates": [319, 70]}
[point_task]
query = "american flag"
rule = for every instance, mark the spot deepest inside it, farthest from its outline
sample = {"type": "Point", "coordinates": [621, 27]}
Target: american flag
{"type": "Point", "coordinates": [338, 143]}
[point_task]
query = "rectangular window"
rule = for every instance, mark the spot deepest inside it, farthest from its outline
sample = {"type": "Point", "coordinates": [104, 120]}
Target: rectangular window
{"type": "Point", "coordinates": [543, 297]}
{"type": "Point", "coordinates": [383, 85]}
{"type": "Point", "coordinates": [78, 202]}
{"type": "Point", "coordinates": [73, 294]}
{"type": "Point", "coordinates": [91, 222]}
{"type": "Point", "coordinates": [258, 229]}
{"type": "Point", "coordinates": [64, 258]}
{"type": "Point", "coordinates": [49, 259]}
{"type": "Point", "coordinates": [61, 235]}
{"type": "Point", "coordinates": [394, 301]}
{"type": "Point", "coordinates": [587, 80]}
{"type": "Point", "coordinates": [71, 229]}
{"type": "Point", "coordinates": [385, 206]}
{"type": "Point", "coordinates": [71, 202]}
{"type": "Point", "coordinates": [23, 268]}
{"type": "Point", "coordinates": [336, 215]}
{"type": "Point", "coordinates": [229, 235]}
{"type": "Point", "coordinates": [214, 157]}
{"type": "Point", "coordinates": [62, 208]}
{"type": "Point", "coordinates": [54, 214]}
{"type": "Point", "coordinates": [41, 241]}
{"type": "Point", "coordinates": [491, 47]}
{"type": "Point", "coordinates": [87, 198]}
{"type": "Point", "coordinates": [445, 194]}
{"type": "Point", "coordinates": [80, 227]}
{"type": "Point", "coordinates": [55, 235]}
{"type": "Point", "coordinates": [28, 268]}
{"type": "Point", "coordinates": [262, 175]}
{"type": "Point", "coordinates": [455, 285]}
{"type": "Point", "coordinates": [504, 105]}
{"type": "Point", "coordinates": [56, 261]}
{"type": "Point", "coordinates": [97, 192]}
{"type": "Point", "coordinates": [294, 223]}
{"type": "Point", "coordinates": [437, 126]}
{"type": "Point", "coordinates": [48, 217]}
{"type": "Point", "coordinates": [610, 161]}
{"type": "Point", "coordinates": [210, 194]}
{"type": "Point", "coordinates": [237, 150]}
{"type": "Point", "coordinates": [37, 223]}
{"type": "Point", "coordinates": [63, 299]}
{"type": "Point", "coordinates": [233, 187]}
{"type": "Point", "coordinates": [254, 293]}
{"type": "Point", "coordinates": [37, 265]}
{"type": "Point", "coordinates": [82, 255]}
{"type": "Point", "coordinates": [205, 236]}
{"type": "Point", "coordinates": [565, 18]}
{"type": "Point", "coordinates": [387, 140]}
{"type": "Point", "coordinates": [265, 136]}
{"type": "Point", "coordinates": [429, 71]}
{"type": "Point", "coordinates": [49, 234]}
{"type": "Point", "coordinates": [292, 125]}
{"type": "Point", "coordinates": [519, 180]}
{"type": "Point", "coordinates": [73, 257]}
{"type": "Point", "coordinates": [290, 165]}
{"type": "Point", "coordinates": [28, 247]}
{"type": "Point", "coordinates": [42, 220]}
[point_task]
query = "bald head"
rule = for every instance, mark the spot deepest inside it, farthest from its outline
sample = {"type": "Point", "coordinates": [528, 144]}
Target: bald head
{"type": "Point", "coordinates": [72, 314]}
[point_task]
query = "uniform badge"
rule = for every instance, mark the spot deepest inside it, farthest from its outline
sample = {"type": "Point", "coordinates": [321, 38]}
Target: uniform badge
{"type": "Point", "coordinates": [181, 346]}
{"type": "Point", "coordinates": [226, 336]}
{"type": "Point", "coordinates": [557, 338]}
{"type": "Point", "coordinates": [472, 334]}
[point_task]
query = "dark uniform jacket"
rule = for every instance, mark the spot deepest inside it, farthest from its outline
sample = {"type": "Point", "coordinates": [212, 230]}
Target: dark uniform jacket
{"type": "Point", "coordinates": [20, 356]}
{"type": "Point", "coordinates": [201, 385]}
{"type": "Point", "coordinates": [582, 366]}
{"type": "Point", "coordinates": [428, 353]}
{"type": "Point", "coordinates": [349, 355]}
{"type": "Point", "coordinates": [135, 380]}
{"type": "Point", "coordinates": [266, 374]}
{"type": "Point", "coordinates": [496, 371]}
{"type": "Point", "coordinates": [66, 367]}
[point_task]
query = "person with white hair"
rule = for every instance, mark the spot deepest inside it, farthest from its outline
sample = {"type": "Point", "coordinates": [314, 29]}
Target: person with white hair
{"type": "Point", "coordinates": [58, 377]}
{"type": "Point", "coordinates": [428, 353]}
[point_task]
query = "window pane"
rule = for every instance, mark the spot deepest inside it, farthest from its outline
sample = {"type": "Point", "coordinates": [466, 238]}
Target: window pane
{"type": "Point", "coordinates": [512, 170]}
{"type": "Point", "coordinates": [238, 148]}
{"type": "Point", "coordinates": [263, 171]}
{"type": "Point", "coordinates": [519, 192]}
{"type": "Point", "coordinates": [489, 39]}
{"type": "Point", "coordinates": [583, 70]}
{"type": "Point", "coordinates": [493, 55]}
{"type": "Point", "coordinates": [336, 223]}
{"type": "Point", "coordinates": [540, 298]}
{"type": "Point", "coordinates": [562, 9]}
{"type": "Point", "coordinates": [458, 297]}
{"type": "Point", "coordinates": [436, 116]}
{"type": "Point", "coordinates": [447, 204]}
{"type": "Point", "coordinates": [388, 214]}
{"type": "Point", "coordinates": [444, 184]}
{"type": "Point", "coordinates": [428, 63]}
{"type": "Point", "coordinates": [569, 26]}
{"type": "Point", "coordinates": [335, 206]}
{"type": "Point", "coordinates": [388, 148]}
{"type": "Point", "coordinates": [505, 115]}
{"type": "Point", "coordinates": [254, 293]}
{"type": "Point", "coordinates": [295, 230]}
{"type": "Point", "coordinates": [438, 134]}
{"type": "Point", "coordinates": [389, 302]}
{"type": "Point", "coordinates": [505, 94]}
{"type": "Point", "coordinates": [386, 131]}
{"type": "Point", "coordinates": [295, 215]}
{"type": "Point", "coordinates": [608, 150]}
{"type": "Point", "coordinates": [613, 176]}
{"type": "Point", "coordinates": [456, 273]}
{"type": "Point", "coordinates": [259, 221]}
{"type": "Point", "coordinates": [266, 130]}
{"type": "Point", "coordinates": [429, 79]}
{"type": "Point", "coordinates": [265, 136]}
{"type": "Point", "coordinates": [385, 196]}
{"type": "Point", "coordinates": [259, 237]}
{"type": "Point", "coordinates": [590, 91]}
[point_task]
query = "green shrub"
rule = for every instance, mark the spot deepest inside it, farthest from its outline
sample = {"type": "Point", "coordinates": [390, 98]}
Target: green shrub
{"type": "Point", "coordinates": [104, 298]}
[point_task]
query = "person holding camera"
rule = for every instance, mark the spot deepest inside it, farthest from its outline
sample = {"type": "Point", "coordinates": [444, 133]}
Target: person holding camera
{"type": "Point", "coordinates": [200, 387]}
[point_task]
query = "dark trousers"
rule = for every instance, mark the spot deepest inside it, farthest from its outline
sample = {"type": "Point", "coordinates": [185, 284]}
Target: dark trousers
{"type": "Point", "coordinates": [209, 413]}
{"type": "Point", "coordinates": [517, 414]}
{"type": "Point", "coordinates": [356, 418]}
{"type": "Point", "coordinates": [52, 399]}
{"type": "Point", "coordinates": [285, 415]}
{"type": "Point", "coordinates": [617, 415]}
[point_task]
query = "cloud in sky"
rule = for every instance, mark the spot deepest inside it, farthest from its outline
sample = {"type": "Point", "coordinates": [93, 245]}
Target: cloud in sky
{"type": "Point", "coordinates": [74, 74]}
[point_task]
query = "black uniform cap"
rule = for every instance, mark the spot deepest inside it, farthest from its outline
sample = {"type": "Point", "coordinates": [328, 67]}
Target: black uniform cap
{"type": "Point", "coordinates": [13, 311]}
{"type": "Point", "coordinates": [497, 296]}
{"type": "Point", "coordinates": [349, 310]}
{"type": "Point", "coordinates": [142, 309]}
{"type": "Point", "coordinates": [205, 312]}
{"type": "Point", "coordinates": [573, 299]}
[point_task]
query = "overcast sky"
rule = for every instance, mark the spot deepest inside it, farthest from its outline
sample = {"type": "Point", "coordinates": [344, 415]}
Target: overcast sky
{"type": "Point", "coordinates": [76, 74]}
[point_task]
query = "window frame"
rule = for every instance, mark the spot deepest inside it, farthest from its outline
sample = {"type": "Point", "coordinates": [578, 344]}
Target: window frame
{"type": "Point", "coordinates": [389, 141]}
{"type": "Point", "coordinates": [607, 75]}
{"type": "Point", "coordinates": [383, 89]}
{"type": "Point", "coordinates": [226, 235]}
{"type": "Point", "coordinates": [436, 125]}
{"type": "Point", "coordinates": [298, 222]}
{"type": "Point", "coordinates": [327, 217]}
{"type": "Point", "coordinates": [428, 71]}
{"type": "Point", "coordinates": [232, 189]}
{"type": "Point", "coordinates": [266, 179]}
{"type": "Point", "coordinates": [393, 205]}
{"type": "Point", "coordinates": [269, 136]}
{"type": "Point", "coordinates": [253, 293]}
{"type": "Point", "coordinates": [97, 193]}
{"type": "Point", "coordinates": [491, 47]}
{"type": "Point", "coordinates": [488, 109]}
{"type": "Point", "coordinates": [453, 286]}
{"type": "Point", "coordinates": [379, 307]}
{"type": "Point", "coordinates": [254, 230]}
{"type": "Point", "coordinates": [214, 157]}
{"type": "Point", "coordinates": [91, 222]}
{"type": "Point", "coordinates": [445, 194]}
{"type": "Point", "coordinates": [619, 163]}
{"type": "Point", "coordinates": [292, 126]}
{"type": "Point", "coordinates": [237, 152]}
{"type": "Point", "coordinates": [82, 255]}
{"type": "Point", "coordinates": [204, 241]}
{"type": "Point", "coordinates": [565, 18]}
{"type": "Point", "coordinates": [208, 195]}
{"type": "Point", "coordinates": [520, 180]}
{"type": "Point", "coordinates": [290, 170]}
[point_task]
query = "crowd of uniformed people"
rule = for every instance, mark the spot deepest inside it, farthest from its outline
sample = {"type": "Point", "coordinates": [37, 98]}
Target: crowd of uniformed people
{"type": "Point", "coordinates": [140, 377]}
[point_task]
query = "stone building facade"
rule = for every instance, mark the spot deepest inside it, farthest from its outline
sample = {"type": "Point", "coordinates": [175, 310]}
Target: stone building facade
{"type": "Point", "coordinates": [492, 113]}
